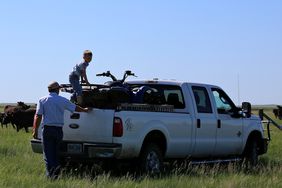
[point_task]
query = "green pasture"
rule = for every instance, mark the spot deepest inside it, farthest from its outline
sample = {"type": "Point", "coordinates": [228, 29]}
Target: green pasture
{"type": "Point", "coordinates": [20, 167]}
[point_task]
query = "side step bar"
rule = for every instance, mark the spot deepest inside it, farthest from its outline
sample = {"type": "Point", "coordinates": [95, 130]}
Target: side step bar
{"type": "Point", "coordinates": [215, 161]}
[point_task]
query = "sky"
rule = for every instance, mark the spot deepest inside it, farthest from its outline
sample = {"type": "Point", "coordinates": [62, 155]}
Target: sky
{"type": "Point", "coordinates": [236, 45]}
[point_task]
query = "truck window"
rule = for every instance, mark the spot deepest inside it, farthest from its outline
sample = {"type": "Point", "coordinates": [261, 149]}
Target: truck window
{"type": "Point", "coordinates": [162, 94]}
{"type": "Point", "coordinates": [202, 99]}
{"type": "Point", "coordinates": [224, 104]}
{"type": "Point", "coordinates": [174, 97]}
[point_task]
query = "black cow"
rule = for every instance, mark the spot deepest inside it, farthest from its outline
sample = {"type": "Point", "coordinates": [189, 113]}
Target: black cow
{"type": "Point", "coordinates": [1, 118]}
{"type": "Point", "coordinates": [275, 112]}
{"type": "Point", "coordinates": [23, 118]}
{"type": "Point", "coordinates": [279, 112]}
{"type": "Point", "coordinates": [9, 110]}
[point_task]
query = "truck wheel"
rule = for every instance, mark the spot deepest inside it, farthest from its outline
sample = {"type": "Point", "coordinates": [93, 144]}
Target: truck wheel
{"type": "Point", "coordinates": [151, 159]}
{"type": "Point", "coordinates": [251, 156]}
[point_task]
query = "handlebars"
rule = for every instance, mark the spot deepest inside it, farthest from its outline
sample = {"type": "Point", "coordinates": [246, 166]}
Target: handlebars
{"type": "Point", "coordinates": [107, 74]}
{"type": "Point", "coordinates": [125, 75]}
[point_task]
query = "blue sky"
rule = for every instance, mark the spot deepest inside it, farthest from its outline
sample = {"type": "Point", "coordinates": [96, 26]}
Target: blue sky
{"type": "Point", "coordinates": [216, 42]}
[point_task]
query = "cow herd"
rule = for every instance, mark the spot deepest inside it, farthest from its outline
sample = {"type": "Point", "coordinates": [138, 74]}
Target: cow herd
{"type": "Point", "coordinates": [19, 116]}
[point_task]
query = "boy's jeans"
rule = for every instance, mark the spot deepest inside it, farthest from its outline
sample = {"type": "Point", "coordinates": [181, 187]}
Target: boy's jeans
{"type": "Point", "coordinates": [77, 89]}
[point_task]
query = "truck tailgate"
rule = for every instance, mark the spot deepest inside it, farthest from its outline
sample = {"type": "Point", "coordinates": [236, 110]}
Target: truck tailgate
{"type": "Point", "coordinates": [95, 126]}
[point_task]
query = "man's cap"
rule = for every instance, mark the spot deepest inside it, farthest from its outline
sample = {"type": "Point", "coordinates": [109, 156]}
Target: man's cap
{"type": "Point", "coordinates": [54, 85]}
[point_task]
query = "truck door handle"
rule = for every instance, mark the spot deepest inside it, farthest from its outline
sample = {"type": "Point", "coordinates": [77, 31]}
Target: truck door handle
{"type": "Point", "coordinates": [75, 116]}
{"type": "Point", "coordinates": [219, 123]}
{"type": "Point", "coordinates": [198, 123]}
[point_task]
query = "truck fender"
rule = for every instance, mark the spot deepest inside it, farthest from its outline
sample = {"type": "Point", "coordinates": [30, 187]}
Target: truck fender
{"type": "Point", "coordinates": [253, 127]}
{"type": "Point", "coordinates": [155, 131]}
{"type": "Point", "coordinates": [255, 135]}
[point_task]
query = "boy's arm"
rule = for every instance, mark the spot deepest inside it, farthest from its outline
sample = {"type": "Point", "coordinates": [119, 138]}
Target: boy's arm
{"type": "Point", "coordinates": [80, 109]}
{"type": "Point", "coordinates": [84, 77]}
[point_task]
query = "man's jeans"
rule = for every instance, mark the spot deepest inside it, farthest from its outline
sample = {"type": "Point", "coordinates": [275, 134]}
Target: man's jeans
{"type": "Point", "coordinates": [52, 137]}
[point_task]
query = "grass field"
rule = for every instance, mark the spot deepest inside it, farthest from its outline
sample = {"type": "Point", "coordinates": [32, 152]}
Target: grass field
{"type": "Point", "coordinates": [20, 167]}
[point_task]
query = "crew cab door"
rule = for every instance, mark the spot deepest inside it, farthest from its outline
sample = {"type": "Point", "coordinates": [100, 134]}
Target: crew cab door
{"type": "Point", "coordinates": [205, 124]}
{"type": "Point", "coordinates": [229, 126]}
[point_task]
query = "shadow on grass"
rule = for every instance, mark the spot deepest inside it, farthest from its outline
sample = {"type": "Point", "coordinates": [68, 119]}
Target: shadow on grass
{"type": "Point", "coordinates": [93, 171]}
{"type": "Point", "coordinates": [7, 152]}
{"type": "Point", "coordinates": [184, 168]}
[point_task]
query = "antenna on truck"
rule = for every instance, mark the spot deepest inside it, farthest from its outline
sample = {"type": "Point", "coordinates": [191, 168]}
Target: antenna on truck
{"type": "Point", "coordinates": [238, 85]}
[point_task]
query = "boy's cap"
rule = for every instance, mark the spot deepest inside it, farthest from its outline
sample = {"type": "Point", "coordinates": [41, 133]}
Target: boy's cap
{"type": "Point", "coordinates": [54, 85]}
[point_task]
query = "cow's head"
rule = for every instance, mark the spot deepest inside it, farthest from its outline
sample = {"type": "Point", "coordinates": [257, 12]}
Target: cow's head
{"type": "Point", "coordinates": [23, 105]}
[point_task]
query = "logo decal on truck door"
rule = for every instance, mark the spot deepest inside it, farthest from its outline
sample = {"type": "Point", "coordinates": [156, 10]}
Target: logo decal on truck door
{"type": "Point", "coordinates": [128, 124]}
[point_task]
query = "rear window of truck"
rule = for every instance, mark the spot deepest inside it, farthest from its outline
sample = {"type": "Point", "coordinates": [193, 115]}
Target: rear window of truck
{"type": "Point", "coordinates": [160, 94]}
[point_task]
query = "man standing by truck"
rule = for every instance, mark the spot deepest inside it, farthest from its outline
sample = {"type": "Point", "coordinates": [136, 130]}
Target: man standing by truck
{"type": "Point", "coordinates": [50, 110]}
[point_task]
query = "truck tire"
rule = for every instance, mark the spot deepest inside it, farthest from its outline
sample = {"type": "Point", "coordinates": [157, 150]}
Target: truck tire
{"type": "Point", "coordinates": [251, 156]}
{"type": "Point", "coordinates": [151, 159]}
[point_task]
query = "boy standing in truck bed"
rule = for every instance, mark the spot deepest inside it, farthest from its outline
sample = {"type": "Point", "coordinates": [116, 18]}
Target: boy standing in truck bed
{"type": "Point", "coordinates": [79, 71]}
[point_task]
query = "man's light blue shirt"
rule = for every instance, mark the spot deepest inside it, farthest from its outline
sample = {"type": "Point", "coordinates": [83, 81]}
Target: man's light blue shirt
{"type": "Point", "coordinates": [52, 108]}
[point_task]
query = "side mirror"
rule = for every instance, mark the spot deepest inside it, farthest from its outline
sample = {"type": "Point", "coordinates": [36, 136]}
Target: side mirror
{"type": "Point", "coordinates": [247, 109]}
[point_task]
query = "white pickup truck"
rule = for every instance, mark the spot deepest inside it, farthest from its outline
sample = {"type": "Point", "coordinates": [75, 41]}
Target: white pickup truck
{"type": "Point", "coordinates": [189, 120]}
